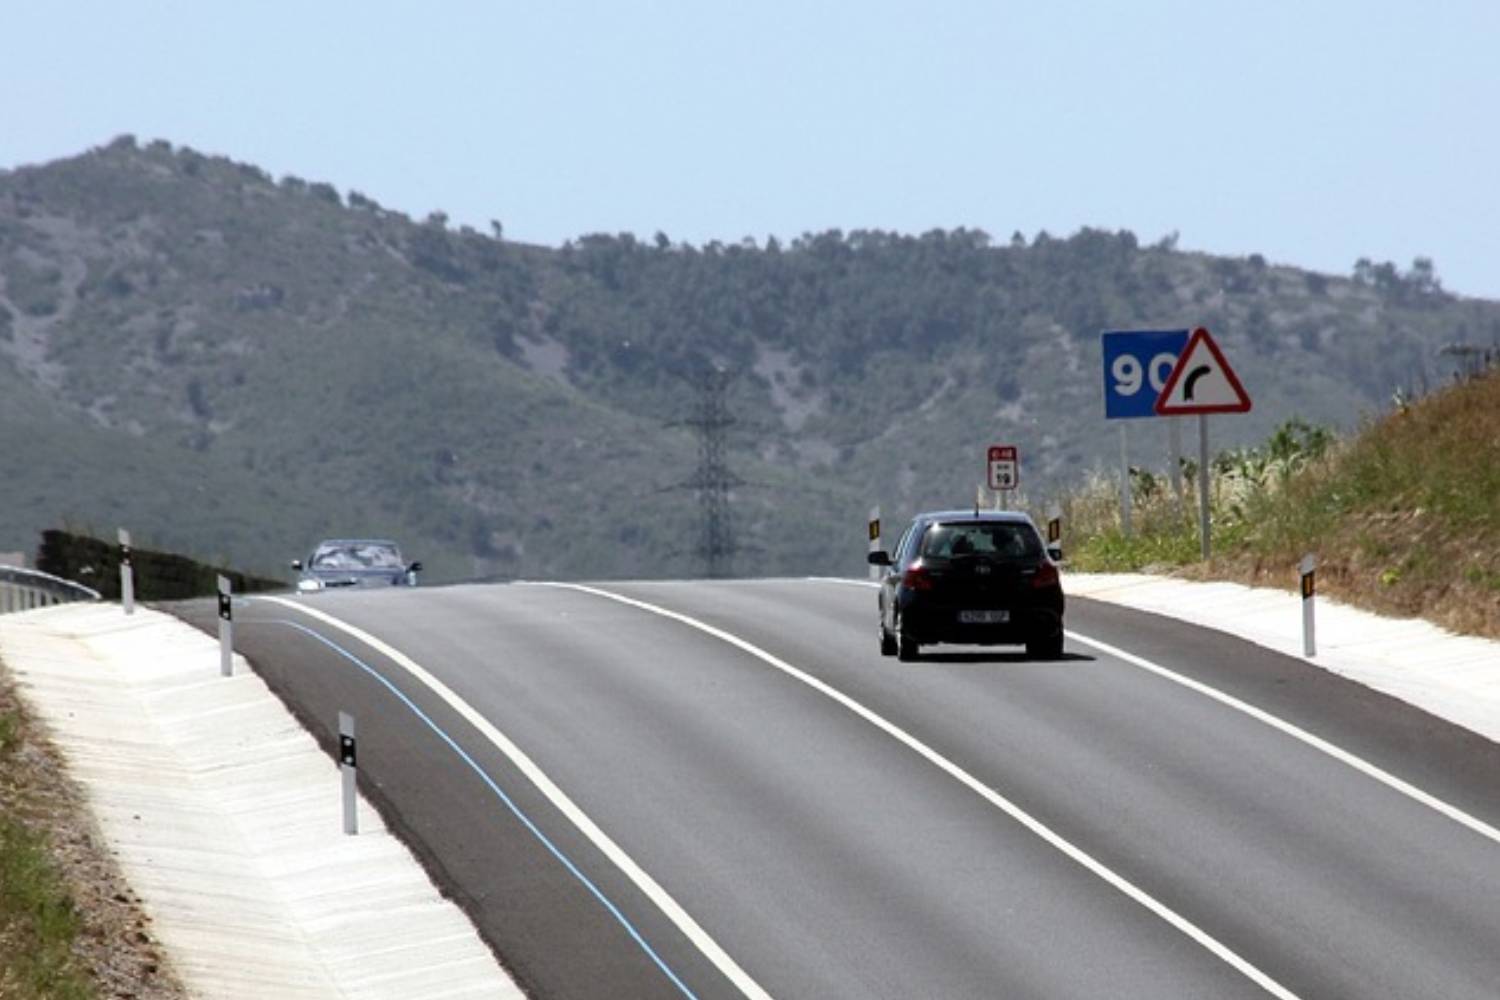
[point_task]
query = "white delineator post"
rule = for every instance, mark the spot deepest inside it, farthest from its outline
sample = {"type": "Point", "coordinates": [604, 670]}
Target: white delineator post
{"type": "Point", "coordinates": [347, 765]}
{"type": "Point", "coordinates": [875, 538]}
{"type": "Point", "coordinates": [226, 628]}
{"type": "Point", "coordinates": [1308, 568]}
{"type": "Point", "coordinates": [127, 574]}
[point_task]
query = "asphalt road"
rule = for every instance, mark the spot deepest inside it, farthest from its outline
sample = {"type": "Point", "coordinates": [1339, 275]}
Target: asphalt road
{"type": "Point", "coordinates": [971, 825]}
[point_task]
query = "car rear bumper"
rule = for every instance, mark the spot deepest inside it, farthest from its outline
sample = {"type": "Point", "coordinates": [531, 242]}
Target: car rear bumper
{"type": "Point", "coordinates": [928, 624]}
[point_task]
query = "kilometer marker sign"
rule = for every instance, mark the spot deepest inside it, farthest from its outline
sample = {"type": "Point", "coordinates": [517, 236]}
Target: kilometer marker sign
{"type": "Point", "coordinates": [1202, 382]}
{"type": "Point", "coordinates": [1003, 467]}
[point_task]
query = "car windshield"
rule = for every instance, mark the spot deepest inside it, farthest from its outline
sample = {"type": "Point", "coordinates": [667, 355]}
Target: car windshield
{"type": "Point", "coordinates": [356, 555]}
{"type": "Point", "coordinates": [995, 539]}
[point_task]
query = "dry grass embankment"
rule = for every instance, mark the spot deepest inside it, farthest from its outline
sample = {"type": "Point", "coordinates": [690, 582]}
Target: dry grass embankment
{"type": "Point", "coordinates": [1404, 515]}
{"type": "Point", "coordinates": [70, 928]}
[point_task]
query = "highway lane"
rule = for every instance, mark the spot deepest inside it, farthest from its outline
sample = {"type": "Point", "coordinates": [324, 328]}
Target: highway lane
{"type": "Point", "coordinates": [1329, 881]}
{"type": "Point", "coordinates": [829, 860]}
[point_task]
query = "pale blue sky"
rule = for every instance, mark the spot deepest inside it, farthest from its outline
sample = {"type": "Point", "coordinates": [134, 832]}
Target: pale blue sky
{"type": "Point", "coordinates": [1314, 133]}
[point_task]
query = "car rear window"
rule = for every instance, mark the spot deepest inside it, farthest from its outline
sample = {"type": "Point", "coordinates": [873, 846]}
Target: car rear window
{"type": "Point", "coordinates": [996, 539]}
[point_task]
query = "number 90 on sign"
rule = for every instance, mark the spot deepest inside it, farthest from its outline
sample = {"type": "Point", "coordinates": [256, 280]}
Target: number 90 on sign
{"type": "Point", "coordinates": [1137, 364]}
{"type": "Point", "coordinates": [1127, 372]}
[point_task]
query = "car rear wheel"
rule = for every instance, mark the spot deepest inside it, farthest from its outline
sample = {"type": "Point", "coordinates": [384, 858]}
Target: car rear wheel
{"type": "Point", "coordinates": [1047, 648]}
{"type": "Point", "coordinates": [908, 649]}
{"type": "Point", "coordinates": [887, 642]}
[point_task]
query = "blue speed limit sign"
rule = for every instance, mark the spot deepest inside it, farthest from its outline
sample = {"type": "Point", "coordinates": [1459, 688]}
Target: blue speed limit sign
{"type": "Point", "coordinates": [1136, 366]}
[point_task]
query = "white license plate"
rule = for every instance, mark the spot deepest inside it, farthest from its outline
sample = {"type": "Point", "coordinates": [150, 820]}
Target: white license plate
{"type": "Point", "coordinates": [983, 617]}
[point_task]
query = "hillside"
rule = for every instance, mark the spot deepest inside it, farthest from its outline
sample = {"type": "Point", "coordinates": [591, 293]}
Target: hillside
{"type": "Point", "coordinates": [235, 365]}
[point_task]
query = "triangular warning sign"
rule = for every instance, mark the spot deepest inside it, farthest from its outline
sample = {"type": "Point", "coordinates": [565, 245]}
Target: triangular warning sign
{"type": "Point", "coordinates": [1202, 382]}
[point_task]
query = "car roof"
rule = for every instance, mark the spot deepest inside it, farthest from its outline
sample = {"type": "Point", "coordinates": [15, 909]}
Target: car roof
{"type": "Point", "coordinates": [992, 516]}
{"type": "Point", "coordinates": [357, 541]}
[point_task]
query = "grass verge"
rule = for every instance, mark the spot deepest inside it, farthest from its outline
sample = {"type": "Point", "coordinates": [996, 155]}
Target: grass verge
{"type": "Point", "coordinates": [1404, 515]}
{"type": "Point", "coordinates": [39, 921]}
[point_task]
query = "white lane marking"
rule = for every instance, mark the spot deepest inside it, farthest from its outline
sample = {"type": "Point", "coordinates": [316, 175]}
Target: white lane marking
{"type": "Point", "coordinates": [1338, 753]}
{"type": "Point", "coordinates": [653, 891]}
{"type": "Point", "coordinates": [1296, 732]}
{"type": "Point", "coordinates": [1036, 826]}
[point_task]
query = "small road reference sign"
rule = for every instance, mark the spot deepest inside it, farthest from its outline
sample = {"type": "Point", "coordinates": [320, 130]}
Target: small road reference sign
{"type": "Point", "coordinates": [1004, 472]}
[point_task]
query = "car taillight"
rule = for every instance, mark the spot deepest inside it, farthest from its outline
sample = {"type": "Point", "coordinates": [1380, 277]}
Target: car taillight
{"type": "Point", "coordinates": [1046, 576]}
{"type": "Point", "coordinates": [916, 578]}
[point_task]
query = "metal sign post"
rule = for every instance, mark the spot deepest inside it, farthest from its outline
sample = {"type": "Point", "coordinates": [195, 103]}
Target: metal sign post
{"type": "Point", "coordinates": [1204, 527]}
{"type": "Point", "coordinates": [347, 766]}
{"type": "Point", "coordinates": [226, 628]}
{"type": "Point", "coordinates": [1308, 568]}
{"type": "Point", "coordinates": [874, 527]}
{"type": "Point", "coordinates": [1125, 490]}
{"type": "Point", "coordinates": [1174, 469]}
{"type": "Point", "coordinates": [127, 574]}
{"type": "Point", "coordinates": [1201, 383]}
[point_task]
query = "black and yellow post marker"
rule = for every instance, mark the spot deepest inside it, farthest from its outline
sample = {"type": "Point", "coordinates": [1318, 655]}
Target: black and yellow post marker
{"type": "Point", "coordinates": [1308, 568]}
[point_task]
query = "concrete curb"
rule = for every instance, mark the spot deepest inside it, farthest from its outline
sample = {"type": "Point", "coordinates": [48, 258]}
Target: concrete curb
{"type": "Point", "coordinates": [226, 820]}
{"type": "Point", "coordinates": [1451, 676]}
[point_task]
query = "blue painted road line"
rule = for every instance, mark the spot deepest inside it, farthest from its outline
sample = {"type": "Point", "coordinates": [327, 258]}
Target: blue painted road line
{"type": "Point", "coordinates": [494, 786]}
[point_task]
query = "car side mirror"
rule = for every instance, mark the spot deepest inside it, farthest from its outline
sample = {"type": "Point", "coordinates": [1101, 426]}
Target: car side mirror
{"type": "Point", "coordinates": [1055, 552]}
{"type": "Point", "coordinates": [297, 565]}
{"type": "Point", "coordinates": [415, 567]}
{"type": "Point", "coordinates": [880, 557]}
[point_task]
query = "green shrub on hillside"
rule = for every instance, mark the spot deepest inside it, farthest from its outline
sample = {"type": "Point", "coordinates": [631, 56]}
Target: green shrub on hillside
{"type": "Point", "coordinates": [1404, 515]}
{"type": "Point", "coordinates": [1245, 485]}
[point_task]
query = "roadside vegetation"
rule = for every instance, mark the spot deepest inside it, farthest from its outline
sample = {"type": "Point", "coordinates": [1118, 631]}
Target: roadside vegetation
{"type": "Point", "coordinates": [1404, 514]}
{"type": "Point", "coordinates": [39, 921]}
{"type": "Point", "coordinates": [70, 927]}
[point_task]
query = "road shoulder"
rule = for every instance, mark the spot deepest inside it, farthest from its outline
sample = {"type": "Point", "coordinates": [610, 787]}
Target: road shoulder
{"type": "Point", "coordinates": [225, 818]}
{"type": "Point", "coordinates": [1454, 677]}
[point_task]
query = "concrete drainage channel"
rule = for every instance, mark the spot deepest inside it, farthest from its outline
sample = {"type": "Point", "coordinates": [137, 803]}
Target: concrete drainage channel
{"type": "Point", "coordinates": [252, 884]}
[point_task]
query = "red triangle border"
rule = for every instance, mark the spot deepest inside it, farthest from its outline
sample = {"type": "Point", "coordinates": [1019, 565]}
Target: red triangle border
{"type": "Point", "coordinates": [1201, 334]}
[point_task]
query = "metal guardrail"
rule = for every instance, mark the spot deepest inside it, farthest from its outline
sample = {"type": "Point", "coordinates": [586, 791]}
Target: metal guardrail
{"type": "Point", "coordinates": [24, 589]}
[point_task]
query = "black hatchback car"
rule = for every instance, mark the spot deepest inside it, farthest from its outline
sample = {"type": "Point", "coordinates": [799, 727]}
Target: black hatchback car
{"type": "Point", "coordinates": [975, 578]}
